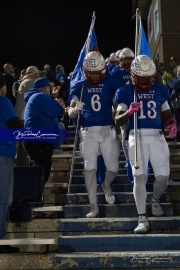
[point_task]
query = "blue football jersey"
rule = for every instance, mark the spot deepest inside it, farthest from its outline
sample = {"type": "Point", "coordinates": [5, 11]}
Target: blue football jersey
{"type": "Point", "coordinates": [123, 77]}
{"type": "Point", "coordinates": [98, 100]}
{"type": "Point", "coordinates": [149, 114]}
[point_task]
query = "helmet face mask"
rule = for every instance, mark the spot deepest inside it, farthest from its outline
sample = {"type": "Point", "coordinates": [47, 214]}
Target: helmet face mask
{"type": "Point", "coordinates": [94, 67]}
{"type": "Point", "coordinates": [94, 77]}
{"type": "Point", "coordinates": [143, 72]}
{"type": "Point", "coordinates": [125, 63]}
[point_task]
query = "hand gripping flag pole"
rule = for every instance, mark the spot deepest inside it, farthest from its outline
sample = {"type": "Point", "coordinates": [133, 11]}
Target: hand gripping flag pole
{"type": "Point", "coordinates": [77, 76]}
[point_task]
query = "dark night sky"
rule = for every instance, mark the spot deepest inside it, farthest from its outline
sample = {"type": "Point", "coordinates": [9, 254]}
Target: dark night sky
{"type": "Point", "coordinates": [38, 32]}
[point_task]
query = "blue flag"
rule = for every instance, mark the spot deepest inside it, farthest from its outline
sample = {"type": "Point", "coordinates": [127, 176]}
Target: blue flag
{"type": "Point", "coordinates": [89, 45]}
{"type": "Point", "coordinates": [143, 46]}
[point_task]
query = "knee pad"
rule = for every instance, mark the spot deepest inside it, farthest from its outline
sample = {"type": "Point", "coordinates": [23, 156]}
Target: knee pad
{"type": "Point", "coordinates": [140, 179]}
{"type": "Point", "coordinates": [89, 166]}
{"type": "Point", "coordinates": [162, 180]}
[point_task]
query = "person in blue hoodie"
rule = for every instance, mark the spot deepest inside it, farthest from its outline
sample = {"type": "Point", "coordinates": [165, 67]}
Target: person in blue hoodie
{"type": "Point", "coordinates": [41, 117]}
{"type": "Point", "coordinates": [8, 122]}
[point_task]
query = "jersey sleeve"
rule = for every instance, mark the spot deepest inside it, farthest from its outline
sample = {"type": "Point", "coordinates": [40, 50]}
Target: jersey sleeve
{"type": "Point", "coordinates": [7, 110]}
{"type": "Point", "coordinates": [115, 86]}
{"type": "Point", "coordinates": [122, 95]}
{"type": "Point", "coordinates": [75, 90]}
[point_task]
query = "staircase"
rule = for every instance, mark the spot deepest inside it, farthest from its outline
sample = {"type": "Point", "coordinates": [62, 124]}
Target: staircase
{"type": "Point", "coordinates": [68, 240]}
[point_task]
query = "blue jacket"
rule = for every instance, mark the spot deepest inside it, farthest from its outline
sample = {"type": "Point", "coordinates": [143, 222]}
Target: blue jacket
{"type": "Point", "coordinates": [7, 112]}
{"type": "Point", "coordinates": [42, 112]}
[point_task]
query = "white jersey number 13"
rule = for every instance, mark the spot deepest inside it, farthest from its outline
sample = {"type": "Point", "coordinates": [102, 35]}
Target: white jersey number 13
{"type": "Point", "coordinates": [151, 112]}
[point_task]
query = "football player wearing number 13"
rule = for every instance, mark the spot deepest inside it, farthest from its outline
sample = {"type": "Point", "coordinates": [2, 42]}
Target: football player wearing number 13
{"type": "Point", "coordinates": [97, 131]}
{"type": "Point", "coordinates": [153, 114]}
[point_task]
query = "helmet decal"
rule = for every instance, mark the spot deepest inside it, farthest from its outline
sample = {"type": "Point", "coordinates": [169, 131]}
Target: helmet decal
{"type": "Point", "coordinates": [94, 67]}
{"type": "Point", "coordinates": [143, 72]}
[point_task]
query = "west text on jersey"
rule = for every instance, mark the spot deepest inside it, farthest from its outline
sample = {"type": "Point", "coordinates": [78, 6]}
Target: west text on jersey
{"type": "Point", "coordinates": [146, 96]}
{"type": "Point", "coordinates": [94, 90]}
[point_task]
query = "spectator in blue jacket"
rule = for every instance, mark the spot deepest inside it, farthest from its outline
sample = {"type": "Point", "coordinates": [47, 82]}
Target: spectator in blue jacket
{"type": "Point", "coordinates": [42, 112]}
{"type": "Point", "coordinates": [8, 120]}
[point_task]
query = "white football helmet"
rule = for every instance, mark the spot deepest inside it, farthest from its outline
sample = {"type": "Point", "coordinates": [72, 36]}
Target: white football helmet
{"type": "Point", "coordinates": [118, 53]}
{"type": "Point", "coordinates": [143, 72]}
{"type": "Point", "coordinates": [113, 58]}
{"type": "Point", "coordinates": [126, 52]}
{"type": "Point", "coordinates": [94, 67]}
{"type": "Point", "coordinates": [126, 56]}
{"type": "Point", "coordinates": [107, 61]}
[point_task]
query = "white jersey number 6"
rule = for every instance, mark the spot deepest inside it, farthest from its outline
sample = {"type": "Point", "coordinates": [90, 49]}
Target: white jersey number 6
{"type": "Point", "coordinates": [95, 103]}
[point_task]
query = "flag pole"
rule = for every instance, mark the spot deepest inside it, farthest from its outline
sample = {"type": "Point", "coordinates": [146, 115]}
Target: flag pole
{"type": "Point", "coordinates": [90, 33]}
{"type": "Point", "coordinates": [136, 165]}
{"type": "Point", "coordinates": [87, 49]}
{"type": "Point", "coordinates": [137, 32]}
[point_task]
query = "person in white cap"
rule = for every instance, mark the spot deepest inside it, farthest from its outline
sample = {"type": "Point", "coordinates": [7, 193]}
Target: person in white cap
{"type": "Point", "coordinates": [32, 73]}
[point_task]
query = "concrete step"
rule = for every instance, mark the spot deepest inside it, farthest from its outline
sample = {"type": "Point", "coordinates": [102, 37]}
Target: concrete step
{"type": "Point", "coordinates": [175, 167]}
{"type": "Point", "coordinates": [34, 226]}
{"type": "Point", "coordinates": [43, 209]}
{"type": "Point", "coordinates": [35, 245]}
{"type": "Point", "coordinates": [56, 185]}
{"type": "Point", "coordinates": [75, 188]}
{"type": "Point", "coordinates": [78, 159]}
{"type": "Point", "coordinates": [74, 225]}
{"type": "Point", "coordinates": [80, 171]}
{"type": "Point", "coordinates": [28, 241]}
{"type": "Point", "coordinates": [166, 260]}
{"type": "Point", "coordinates": [65, 147]}
{"type": "Point", "coordinates": [143, 260]}
{"type": "Point", "coordinates": [124, 187]}
{"type": "Point", "coordinates": [175, 145]}
{"type": "Point", "coordinates": [116, 224]}
{"type": "Point", "coordinates": [63, 169]}
{"type": "Point", "coordinates": [80, 165]}
{"type": "Point", "coordinates": [62, 156]}
{"type": "Point", "coordinates": [120, 179]}
{"type": "Point", "coordinates": [174, 172]}
{"type": "Point", "coordinates": [125, 242]}
{"type": "Point", "coordinates": [121, 197]}
{"type": "Point", "coordinates": [27, 261]}
{"type": "Point", "coordinates": [174, 151]}
{"type": "Point", "coordinates": [116, 210]}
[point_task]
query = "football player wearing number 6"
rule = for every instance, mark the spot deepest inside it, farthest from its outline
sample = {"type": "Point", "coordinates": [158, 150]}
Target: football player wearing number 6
{"type": "Point", "coordinates": [97, 128]}
{"type": "Point", "coordinates": [153, 114]}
